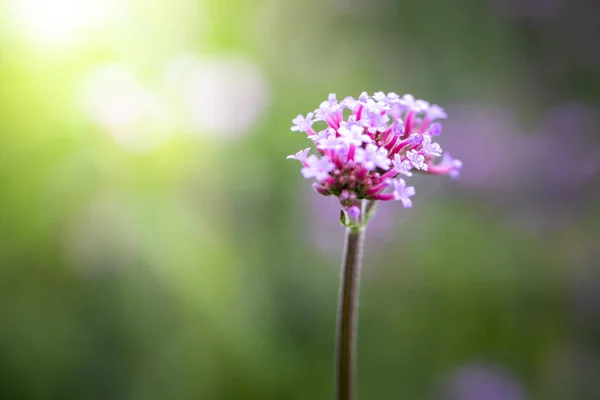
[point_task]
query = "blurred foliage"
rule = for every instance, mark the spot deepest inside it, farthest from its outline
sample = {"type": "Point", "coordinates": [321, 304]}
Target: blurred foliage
{"type": "Point", "coordinates": [145, 258]}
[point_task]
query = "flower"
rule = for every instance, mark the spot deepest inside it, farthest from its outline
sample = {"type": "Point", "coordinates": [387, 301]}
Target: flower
{"type": "Point", "coordinates": [435, 129]}
{"type": "Point", "coordinates": [417, 160]}
{"type": "Point", "coordinates": [373, 157]}
{"type": "Point", "coordinates": [398, 128]}
{"type": "Point", "coordinates": [429, 147]}
{"type": "Point", "coordinates": [402, 192]}
{"type": "Point", "coordinates": [448, 166]}
{"type": "Point", "coordinates": [434, 112]}
{"type": "Point", "coordinates": [355, 135]}
{"type": "Point", "coordinates": [328, 108]}
{"type": "Point", "coordinates": [362, 157]}
{"type": "Point", "coordinates": [354, 212]}
{"type": "Point", "coordinates": [401, 165]}
{"type": "Point", "coordinates": [318, 168]}
{"type": "Point", "coordinates": [322, 135]}
{"type": "Point", "coordinates": [302, 123]}
{"type": "Point", "coordinates": [300, 156]}
{"type": "Point", "coordinates": [415, 139]}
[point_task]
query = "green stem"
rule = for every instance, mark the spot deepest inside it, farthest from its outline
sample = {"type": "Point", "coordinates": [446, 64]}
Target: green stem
{"type": "Point", "coordinates": [347, 322]}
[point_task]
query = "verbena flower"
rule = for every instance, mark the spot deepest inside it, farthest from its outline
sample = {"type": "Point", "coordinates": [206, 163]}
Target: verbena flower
{"type": "Point", "coordinates": [368, 143]}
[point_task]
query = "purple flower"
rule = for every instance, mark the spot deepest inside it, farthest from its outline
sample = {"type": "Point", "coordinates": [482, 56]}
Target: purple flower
{"type": "Point", "coordinates": [435, 129]}
{"type": "Point", "coordinates": [385, 136]}
{"type": "Point", "coordinates": [331, 143]}
{"type": "Point", "coordinates": [374, 117]}
{"type": "Point", "coordinates": [398, 128]}
{"type": "Point", "coordinates": [402, 165]}
{"type": "Point", "coordinates": [355, 135]}
{"type": "Point", "coordinates": [322, 135]}
{"type": "Point", "coordinates": [434, 112]}
{"type": "Point", "coordinates": [375, 122]}
{"type": "Point", "coordinates": [350, 103]}
{"type": "Point", "coordinates": [417, 160]}
{"type": "Point", "coordinates": [354, 212]}
{"type": "Point", "coordinates": [300, 156]}
{"type": "Point", "coordinates": [373, 157]}
{"type": "Point", "coordinates": [379, 96]}
{"type": "Point", "coordinates": [415, 139]}
{"type": "Point", "coordinates": [392, 97]}
{"type": "Point", "coordinates": [327, 108]}
{"type": "Point", "coordinates": [364, 97]}
{"type": "Point", "coordinates": [403, 193]}
{"type": "Point", "coordinates": [409, 102]}
{"type": "Point", "coordinates": [386, 99]}
{"type": "Point", "coordinates": [301, 123]}
{"type": "Point", "coordinates": [317, 168]}
{"type": "Point", "coordinates": [448, 166]}
{"type": "Point", "coordinates": [430, 148]}
{"type": "Point", "coordinates": [454, 166]}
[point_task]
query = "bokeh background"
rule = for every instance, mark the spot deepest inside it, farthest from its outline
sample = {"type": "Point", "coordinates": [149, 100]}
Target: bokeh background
{"type": "Point", "coordinates": [156, 244]}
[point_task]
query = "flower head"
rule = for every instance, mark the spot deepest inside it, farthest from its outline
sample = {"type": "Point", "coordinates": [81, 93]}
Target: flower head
{"type": "Point", "coordinates": [362, 157]}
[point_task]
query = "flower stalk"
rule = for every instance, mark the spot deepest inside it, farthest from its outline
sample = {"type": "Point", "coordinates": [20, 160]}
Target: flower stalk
{"type": "Point", "coordinates": [347, 319]}
{"type": "Point", "coordinates": [347, 315]}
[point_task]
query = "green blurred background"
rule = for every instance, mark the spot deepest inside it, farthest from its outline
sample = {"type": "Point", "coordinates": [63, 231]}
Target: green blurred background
{"type": "Point", "coordinates": [155, 243]}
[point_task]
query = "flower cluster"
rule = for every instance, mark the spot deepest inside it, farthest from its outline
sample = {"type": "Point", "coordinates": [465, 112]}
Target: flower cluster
{"type": "Point", "coordinates": [384, 138]}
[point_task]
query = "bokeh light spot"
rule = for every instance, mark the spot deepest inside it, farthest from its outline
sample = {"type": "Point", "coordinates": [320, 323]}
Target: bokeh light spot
{"type": "Point", "coordinates": [222, 95]}
{"type": "Point", "coordinates": [58, 22]}
{"type": "Point", "coordinates": [135, 116]}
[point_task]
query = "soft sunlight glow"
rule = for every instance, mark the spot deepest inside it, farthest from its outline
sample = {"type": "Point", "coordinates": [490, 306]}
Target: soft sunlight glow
{"type": "Point", "coordinates": [132, 114]}
{"type": "Point", "coordinates": [60, 21]}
